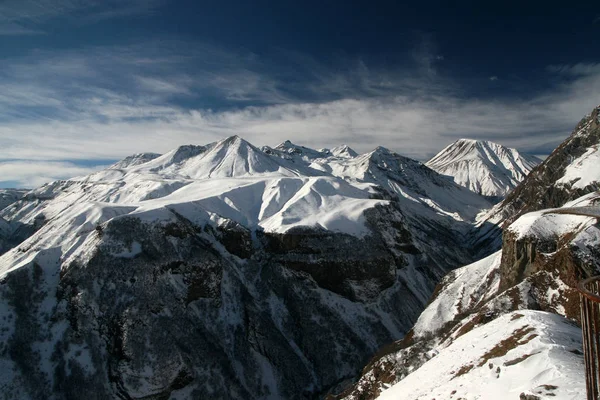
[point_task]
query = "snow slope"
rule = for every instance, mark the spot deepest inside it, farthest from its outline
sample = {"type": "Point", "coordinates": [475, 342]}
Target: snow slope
{"type": "Point", "coordinates": [463, 290]}
{"type": "Point", "coordinates": [230, 178]}
{"type": "Point", "coordinates": [583, 171]}
{"type": "Point", "coordinates": [484, 167]}
{"type": "Point", "coordinates": [530, 352]}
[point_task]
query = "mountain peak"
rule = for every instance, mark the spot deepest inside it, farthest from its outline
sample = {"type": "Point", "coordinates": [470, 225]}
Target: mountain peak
{"type": "Point", "coordinates": [467, 140]}
{"type": "Point", "coordinates": [343, 151]}
{"type": "Point", "coordinates": [484, 167]}
{"type": "Point", "coordinates": [236, 142]}
{"type": "Point", "coordinates": [232, 140]}
{"type": "Point", "coordinates": [381, 149]}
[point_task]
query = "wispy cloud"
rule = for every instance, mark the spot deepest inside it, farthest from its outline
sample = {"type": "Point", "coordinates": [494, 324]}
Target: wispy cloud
{"type": "Point", "coordinates": [27, 17]}
{"type": "Point", "coordinates": [106, 103]}
{"type": "Point", "coordinates": [8, 28]}
{"type": "Point", "coordinates": [28, 174]}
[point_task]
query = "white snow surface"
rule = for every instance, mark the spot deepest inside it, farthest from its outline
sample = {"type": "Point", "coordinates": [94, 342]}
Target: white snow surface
{"type": "Point", "coordinates": [484, 167]}
{"type": "Point", "coordinates": [583, 171]}
{"type": "Point", "coordinates": [272, 189]}
{"type": "Point", "coordinates": [541, 362]}
{"type": "Point", "coordinates": [574, 217]}
{"type": "Point", "coordinates": [463, 289]}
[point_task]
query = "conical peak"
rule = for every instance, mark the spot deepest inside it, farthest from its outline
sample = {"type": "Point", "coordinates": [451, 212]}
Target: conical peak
{"type": "Point", "coordinates": [381, 149]}
{"type": "Point", "coordinates": [232, 139]}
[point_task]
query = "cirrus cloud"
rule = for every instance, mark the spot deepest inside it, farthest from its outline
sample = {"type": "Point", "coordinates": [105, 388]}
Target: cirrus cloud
{"type": "Point", "coordinates": [108, 102]}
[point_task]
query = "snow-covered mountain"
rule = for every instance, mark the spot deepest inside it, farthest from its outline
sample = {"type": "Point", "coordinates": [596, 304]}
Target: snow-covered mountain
{"type": "Point", "coordinates": [208, 271]}
{"type": "Point", "coordinates": [484, 167]}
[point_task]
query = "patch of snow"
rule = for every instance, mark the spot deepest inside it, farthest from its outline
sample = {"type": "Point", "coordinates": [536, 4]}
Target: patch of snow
{"type": "Point", "coordinates": [520, 352]}
{"type": "Point", "coordinates": [134, 250]}
{"type": "Point", "coordinates": [545, 224]}
{"type": "Point", "coordinates": [463, 288]}
{"type": "Point", "coordinates": [583, 171]}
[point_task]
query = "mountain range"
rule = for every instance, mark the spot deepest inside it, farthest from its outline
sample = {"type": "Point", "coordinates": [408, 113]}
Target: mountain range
{"type": "Point", "coordinates": [230, 271]}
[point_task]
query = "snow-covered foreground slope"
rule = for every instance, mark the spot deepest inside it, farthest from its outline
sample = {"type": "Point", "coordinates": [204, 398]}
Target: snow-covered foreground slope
{"type": "Point", "coordinates": [544, 256]}
{"type": "Point", "coordinates": [522, 352]}
{"type": "Point", "coordinates": [484, 167]}
{"type": "Point", "coordinates": [208, 271]}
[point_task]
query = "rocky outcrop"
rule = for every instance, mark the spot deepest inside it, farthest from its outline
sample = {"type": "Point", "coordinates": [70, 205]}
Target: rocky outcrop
{"type": "Point", "coordinates": [540, 190]}
{"type": "Point", "coordinates": [545, 186]}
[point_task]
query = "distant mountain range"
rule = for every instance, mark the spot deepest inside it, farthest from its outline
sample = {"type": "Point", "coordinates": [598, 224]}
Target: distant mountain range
{"type": "Point", "coordinates": [230, 271]}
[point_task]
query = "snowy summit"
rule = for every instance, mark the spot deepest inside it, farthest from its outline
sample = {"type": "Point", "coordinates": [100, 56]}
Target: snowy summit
{"type": "Point", "coordinates": [484, 167]}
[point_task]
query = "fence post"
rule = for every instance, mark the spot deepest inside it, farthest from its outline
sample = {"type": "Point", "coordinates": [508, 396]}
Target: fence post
{"type": "Point", "coordinates": [589, 295]}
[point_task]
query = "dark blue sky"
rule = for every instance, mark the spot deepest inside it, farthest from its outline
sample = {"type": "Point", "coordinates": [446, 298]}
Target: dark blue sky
{"type": "Point", "coordinates": [88, 81]}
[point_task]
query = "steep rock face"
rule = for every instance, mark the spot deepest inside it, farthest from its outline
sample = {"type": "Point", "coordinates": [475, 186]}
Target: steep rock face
{"type": "Point", "coordinates": [546, 186]}
{"type": "Point", "coordinates": [484, 167]}
{"type": "Point", "coordinates": [560, 244]}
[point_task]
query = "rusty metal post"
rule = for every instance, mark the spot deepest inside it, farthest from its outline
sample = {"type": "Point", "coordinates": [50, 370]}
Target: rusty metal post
{"type": "Point", "coordinates": [589, 295]}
